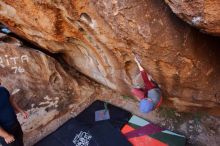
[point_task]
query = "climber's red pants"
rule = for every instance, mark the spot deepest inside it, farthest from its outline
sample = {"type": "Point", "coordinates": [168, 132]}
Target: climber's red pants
{"type": "Point", "coordinates": [141, 93]}
{"type": "Point", "coordinates": [138, 92]}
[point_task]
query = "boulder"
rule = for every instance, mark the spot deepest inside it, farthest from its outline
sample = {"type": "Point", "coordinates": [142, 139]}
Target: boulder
{"type": "Point", "coordinates": [32, 75]}
{"type": "Point", "coordinates": [204, 15]}
{"type": "Point", "coordinates": [38, 84]}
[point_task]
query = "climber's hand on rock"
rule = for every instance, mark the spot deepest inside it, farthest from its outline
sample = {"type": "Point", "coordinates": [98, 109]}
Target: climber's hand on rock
{"type": "Point", "coordinates": [137, 59]}
{"type": "Point", "coordinates": [25, 114]}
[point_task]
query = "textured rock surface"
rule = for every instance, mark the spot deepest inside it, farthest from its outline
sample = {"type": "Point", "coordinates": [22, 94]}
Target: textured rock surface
{"type": "Point", "coordinates": [43, 88]}
{"type": "Point", "coordinates": [203, 14]}
{"type": "Point", "coordinates": [184, 61]}
{"type": "Point", "coordinates": [98, 37]}
{"type": "Point", "coordinates": [33, 73]}
{"type": "Point", "coordinates": [50, 94]}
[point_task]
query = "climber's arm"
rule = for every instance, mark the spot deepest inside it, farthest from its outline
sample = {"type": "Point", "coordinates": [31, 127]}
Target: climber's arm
{"type": "Point", "coordinates": [148, 84]}
{"type": "Point", "coordinates": [138, 64]}
{"type": "Point", "coordinates": [17, 108]}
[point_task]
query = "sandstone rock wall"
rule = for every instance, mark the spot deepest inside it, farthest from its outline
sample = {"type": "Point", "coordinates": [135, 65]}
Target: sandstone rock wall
{"type": "Point", "coordinates": [40, 85]}
{"type": "Point", "coordinates": [70, 32]}
{"type": "Point", "coordinates": [203, 14]}
{"type": "Point", "coordinates": [32, 72]}
{"type": "Point", "coordinates": [98, 38]}
{"type": "Point", "coordinates": [37, 82]}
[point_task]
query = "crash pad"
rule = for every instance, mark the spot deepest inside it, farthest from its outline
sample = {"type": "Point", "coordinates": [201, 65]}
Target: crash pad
{"type": "Point", "coordinates": [146, 141]}
{"type": "Point", "coordinates": [76, 133]}
{"type": "Point", "coordinates": [118, 116]}
{"type": "Point", "coordinates": [170, 139]}
{"type": "Point", "coordinates": [127, 128]}
{"type": "Point", "coordinates": [145, 130]}
{"type": "Point", "coordinates": [84, 131]}
{"type": "Point", "coordinates": [141, 132]}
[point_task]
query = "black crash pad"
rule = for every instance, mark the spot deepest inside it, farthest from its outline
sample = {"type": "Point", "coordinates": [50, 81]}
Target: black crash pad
{"type": "Point", "coordinates": [84, 131]}
{"type": "Point", "coordinates": [118, 116]}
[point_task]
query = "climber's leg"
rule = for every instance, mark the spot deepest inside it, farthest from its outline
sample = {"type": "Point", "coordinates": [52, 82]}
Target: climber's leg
{"type": "Point", "coordinates": [138, 92]}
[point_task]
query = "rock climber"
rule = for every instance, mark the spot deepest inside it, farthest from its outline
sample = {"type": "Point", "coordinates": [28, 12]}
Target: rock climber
{"type": "Point", "coordinates": [10, 129]}
{"type": "Point", "coordinates": [149, 96]}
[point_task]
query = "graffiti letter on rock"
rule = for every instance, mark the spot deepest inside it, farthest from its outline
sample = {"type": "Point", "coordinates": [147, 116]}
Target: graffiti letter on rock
{"type": "Point", "coordinates": [24, 58]}
{"type": "Point", "coordinates": [14, 59]}
{"type": "Point", "coordinates": [1, 63]}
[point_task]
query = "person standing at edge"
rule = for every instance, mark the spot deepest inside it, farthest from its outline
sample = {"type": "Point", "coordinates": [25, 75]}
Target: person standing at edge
{"type": "Point", "coordinates": [10, 129]}
{"type": "Point", "coordinates": [150, 96]}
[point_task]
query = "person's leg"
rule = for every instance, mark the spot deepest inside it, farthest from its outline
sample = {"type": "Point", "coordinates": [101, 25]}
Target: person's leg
{"type": "Point", "coordinates": [19, 136]}
{"type": "Point", "coordinates": [16, 131]}
{"type": "Point", "coordinates": [148, 84]}
{"type": "Point", "coordinates": [3, 143]}
{"type": "Point", "coordinates": [138, 93]}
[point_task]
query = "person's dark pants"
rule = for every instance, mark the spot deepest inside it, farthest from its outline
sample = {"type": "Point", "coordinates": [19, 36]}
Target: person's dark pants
{"type": "Point", "coordinates": [16, 131]}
